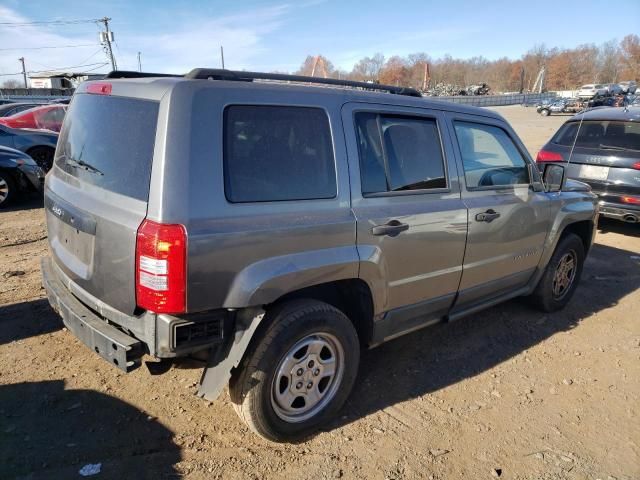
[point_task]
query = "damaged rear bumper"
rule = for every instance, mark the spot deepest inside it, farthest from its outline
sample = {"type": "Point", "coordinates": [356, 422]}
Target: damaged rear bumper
{"type": "Point", "coordinates": [113, 345]}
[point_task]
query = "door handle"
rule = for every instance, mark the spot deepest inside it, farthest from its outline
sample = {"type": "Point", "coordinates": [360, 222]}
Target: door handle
{"type": "Point", "coordinates": [488, 216]}
{"type": "Point", "coordinates": [392, 228]}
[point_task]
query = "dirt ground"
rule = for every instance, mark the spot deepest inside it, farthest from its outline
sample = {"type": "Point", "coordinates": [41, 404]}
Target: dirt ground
{"type": "Point", "coordinates": [507, 393]}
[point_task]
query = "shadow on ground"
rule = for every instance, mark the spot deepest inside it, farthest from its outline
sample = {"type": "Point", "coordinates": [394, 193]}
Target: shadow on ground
{"type": "Point", "coordinates": [58, 431]}
{"type": "Point", "coordinates": [27, 319]}
{"type": "Point", "coordinates": [434, 358]}
{"type": "Point", "coordinates": [608, 225]}
{"type": "Point", "coordinates": [26, 202]}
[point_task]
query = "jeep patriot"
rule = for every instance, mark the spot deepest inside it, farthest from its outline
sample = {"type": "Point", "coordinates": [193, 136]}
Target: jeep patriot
{"type": "Point", "coordinates": [273, 226]}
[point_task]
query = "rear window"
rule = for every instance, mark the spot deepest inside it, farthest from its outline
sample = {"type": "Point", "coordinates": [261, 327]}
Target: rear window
{"type": "Point", "coordinates": [108, 142]}
{"type": "Point", "coordinates": [275, 153]}
{"type": "Point", "coordinates": [600, 134]}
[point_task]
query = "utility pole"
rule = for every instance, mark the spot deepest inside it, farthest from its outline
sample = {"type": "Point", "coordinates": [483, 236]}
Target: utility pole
{"type": "Point", "coordinates": [139, 63]}
{"type": "Point", "coordinates": [24, 72]}
{"type": "Point", "coordinates": [107, 37]}
{"type": "Point", "coordinates": [222, 55]}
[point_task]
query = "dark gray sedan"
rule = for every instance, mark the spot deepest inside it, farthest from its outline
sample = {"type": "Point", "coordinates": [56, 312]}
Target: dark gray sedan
{"type": "Point", "coordinates": [18, 174]}
{"type": "Point", "coordinates": [601, 147]}
{"type": "Point", "coordinates": [38, 144]}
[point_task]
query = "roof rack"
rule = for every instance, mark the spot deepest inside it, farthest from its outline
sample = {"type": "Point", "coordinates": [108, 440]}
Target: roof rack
{"type": "Point", "coordinates": [238, 76]}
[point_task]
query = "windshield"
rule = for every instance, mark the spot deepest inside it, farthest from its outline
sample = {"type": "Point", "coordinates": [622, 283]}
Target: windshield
{"type": "Point", "coordinates": [108, 142]}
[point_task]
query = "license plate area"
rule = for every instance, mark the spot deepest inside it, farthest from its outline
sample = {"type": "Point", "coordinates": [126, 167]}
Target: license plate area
{"type": "Point", "coordinates": [594, 172]}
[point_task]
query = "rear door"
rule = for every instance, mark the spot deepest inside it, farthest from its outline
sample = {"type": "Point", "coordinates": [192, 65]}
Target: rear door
{"type": "Point", "coordinates": [509, 215]}
{"type": "Point", "coordinates": [411, 222]}
{"type": "Point", "coordinates": [96, 194]}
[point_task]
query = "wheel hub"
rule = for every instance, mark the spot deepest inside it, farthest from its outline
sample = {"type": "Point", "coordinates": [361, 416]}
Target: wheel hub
{"type": "Point", "coordinates": [564, 274]}
{"type": "Point", "coordinates": [307, 377]}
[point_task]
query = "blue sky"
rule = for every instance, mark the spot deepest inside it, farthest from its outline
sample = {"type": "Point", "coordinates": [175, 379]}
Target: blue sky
{"type": "Point", "coordinates": [177, 35]}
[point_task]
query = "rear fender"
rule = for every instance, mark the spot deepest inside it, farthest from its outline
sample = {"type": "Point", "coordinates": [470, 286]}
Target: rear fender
{"type": "Point", "coordinates": [263, 282]}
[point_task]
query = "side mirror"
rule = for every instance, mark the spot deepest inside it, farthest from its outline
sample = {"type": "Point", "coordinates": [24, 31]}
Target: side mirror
{"type": "Point", "coordinates": [553, 177]}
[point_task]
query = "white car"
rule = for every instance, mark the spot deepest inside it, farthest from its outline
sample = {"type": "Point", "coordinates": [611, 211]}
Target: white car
{"type": "Point", "coordinates": [591, 90]}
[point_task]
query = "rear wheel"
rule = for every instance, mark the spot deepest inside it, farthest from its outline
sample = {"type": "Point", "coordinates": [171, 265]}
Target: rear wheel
{"type": "Point", "coordinates": [43, 156]}
{"type": "Point", "coordinates": [545, 112]}
{"type": "Point", "coordinates": [561, 277]}
{"type": "Point", "coordinates": [298, 373]}
{"type": "Point", "coordinates": [7, 189]}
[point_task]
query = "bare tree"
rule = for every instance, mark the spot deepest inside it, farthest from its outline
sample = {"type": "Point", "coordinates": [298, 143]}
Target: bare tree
{"type": "Point", "coordinates": [11, 84]}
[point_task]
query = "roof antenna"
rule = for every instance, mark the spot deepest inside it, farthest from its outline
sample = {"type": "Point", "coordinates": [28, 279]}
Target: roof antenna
{"type": "Point", "coordinates": [575, 139]}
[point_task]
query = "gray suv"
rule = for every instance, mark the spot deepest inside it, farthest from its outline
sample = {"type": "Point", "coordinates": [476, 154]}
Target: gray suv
{"type": "Point", "coordinates": [274, 229]}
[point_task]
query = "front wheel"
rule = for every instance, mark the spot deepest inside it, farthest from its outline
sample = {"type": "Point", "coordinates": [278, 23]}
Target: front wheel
{"type": "Point", "coordinates": [298, 373]}
{"type": "Point", "coordinates": [7, 189]}
{"type": "Point", "coordinates": [561, 277]}
{"type": "Point", "coordinates": [43, 156]}
{"type": "Point", "coordinates": [545, 112]}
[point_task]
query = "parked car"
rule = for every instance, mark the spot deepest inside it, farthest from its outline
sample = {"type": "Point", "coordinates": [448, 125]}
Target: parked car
{"type": "Point", "coordinates": [13, 108]}
{"type": "Point", "coordinates": [614, 89]}
{"type": "Point", "coordinates": [591, 90]}
{"type": "Point", "coordinates": [18, 174]}
{"type": "Point", "coordinates": [275, 229]}
{"type": "Point", "coordinates": [606, 155]}
{"type": "Point", "coordinates": [628, 86]}
{"type": "Point", "coordinates": [38, 144]}
{"type": "Point", "coordinates": [45, 117]}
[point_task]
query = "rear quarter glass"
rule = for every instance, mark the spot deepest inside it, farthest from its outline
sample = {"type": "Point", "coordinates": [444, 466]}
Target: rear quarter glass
{"type": "Point", "coordinates": [116, 137]}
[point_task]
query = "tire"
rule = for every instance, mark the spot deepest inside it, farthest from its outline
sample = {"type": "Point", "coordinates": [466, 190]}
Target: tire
{"type": "Point", "coordinates": [43, 156]}
{"type": "Point", "coordinates": [8, 189]}
{"type": "Point", "coordinates": [300, 341]}
{"type": "Point", "coordinates": [545, 112]}
{"type": "Point", "coordinates": [553, 293]}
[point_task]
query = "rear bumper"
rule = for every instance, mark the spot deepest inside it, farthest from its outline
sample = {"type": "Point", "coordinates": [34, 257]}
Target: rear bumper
{"type": "Point", "coordinates": [113, 345]}
{"type": "Point", "coordinates": [162, 336]}
{"type": "Point", "coordinates": [620, 211]}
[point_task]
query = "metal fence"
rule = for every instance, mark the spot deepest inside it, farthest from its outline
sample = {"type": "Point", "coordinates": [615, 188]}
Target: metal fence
{"type": "Point", "coordinates": [498, 100]}
{"type": "Point", "coordinates": [34, 94]}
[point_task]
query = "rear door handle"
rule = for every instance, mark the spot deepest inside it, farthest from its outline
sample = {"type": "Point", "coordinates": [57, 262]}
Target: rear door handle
{"type": "Point", "coordinates": [488, 216]}
{"type": "Point", "coordinates": [391, 229]}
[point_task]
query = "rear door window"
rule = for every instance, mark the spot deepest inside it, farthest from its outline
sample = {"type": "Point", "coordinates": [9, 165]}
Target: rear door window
{"type": "Point", "coordinates": [489, 156]}
{"type": "Point", "coordinates": [399, 153]}
{"type": "Point", "coordinates": [108, 142]}
{"type": "Point", "coordinates": [277, 153]}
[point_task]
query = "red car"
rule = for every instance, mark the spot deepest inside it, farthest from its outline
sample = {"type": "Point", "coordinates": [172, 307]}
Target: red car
{"type": "Point", "coordinates": [47, 117]}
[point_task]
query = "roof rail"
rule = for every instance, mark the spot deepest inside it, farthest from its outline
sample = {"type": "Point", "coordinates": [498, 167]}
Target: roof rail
{"type": "Point", "coordinates": [132, 74]}
{"type": "Point", "coordinates": [232, 75]}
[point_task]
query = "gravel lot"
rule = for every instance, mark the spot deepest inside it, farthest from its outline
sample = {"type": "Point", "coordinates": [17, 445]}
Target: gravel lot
{"type": "Point", "coordinates": [507, 393]}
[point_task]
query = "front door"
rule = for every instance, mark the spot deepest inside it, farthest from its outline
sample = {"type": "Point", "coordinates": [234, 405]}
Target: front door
{"type": "Point", "coordinates": [411, 221]}
{"type": "Point", "coordinates": [509, 215]}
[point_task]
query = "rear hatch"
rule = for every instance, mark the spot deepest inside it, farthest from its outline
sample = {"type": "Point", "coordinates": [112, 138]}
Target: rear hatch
{"type": "Point", "coordinates": [606, 154]}
{"type": "Point", "coordinates": [97, 193]}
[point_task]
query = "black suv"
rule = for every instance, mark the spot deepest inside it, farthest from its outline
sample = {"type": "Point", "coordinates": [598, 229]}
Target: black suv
{"type": "Point", "coordinates": [601, 147]}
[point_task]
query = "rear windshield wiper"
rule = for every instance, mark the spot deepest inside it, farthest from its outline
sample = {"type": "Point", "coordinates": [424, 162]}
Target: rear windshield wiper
{"type": "Point", "coordinates": [614, 147]}
{"type": "Point", "coordinates": [82, 164]}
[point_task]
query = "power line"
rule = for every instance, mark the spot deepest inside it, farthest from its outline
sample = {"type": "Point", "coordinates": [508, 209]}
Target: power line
{"type": "Point", "coordinates": [42, 48]}
{"type": "Point", "coordinates": [52, 22]}
{"type": "Point", "coordinates": [56, 69]}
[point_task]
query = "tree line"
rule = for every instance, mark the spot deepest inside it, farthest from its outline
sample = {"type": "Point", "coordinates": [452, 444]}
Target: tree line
{"type": "Point", "coordinates": [566, 68]}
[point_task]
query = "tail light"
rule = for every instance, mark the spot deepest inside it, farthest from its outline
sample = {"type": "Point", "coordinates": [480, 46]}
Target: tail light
{"type": "Point", "coordinates": [99, 88]}
{"type": "Point", "coordinates": [547, 156]}
{"type": "Point", "coordinates": [629, 199]}
{"type": "Point", "coordinates": [636, 166]}
{"type": "Point", "coordinates": [161, 267]}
